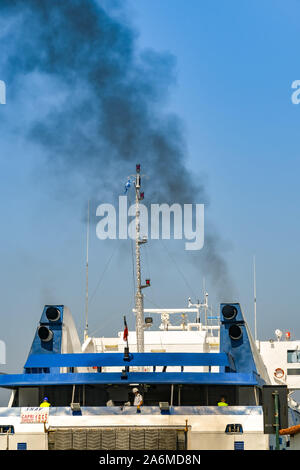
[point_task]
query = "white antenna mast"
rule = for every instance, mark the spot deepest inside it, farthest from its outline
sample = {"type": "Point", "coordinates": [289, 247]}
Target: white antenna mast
{"type": "Point", "coordinates": [205, 295]}
{"type": "Point", "coordinates": [254, 292]}
{"type": "Point", "coordinates": [85, 335]}
{"type": "Point", "coordinates": [198, 306]}
{"type": "Point", "coordinates": [139, 298]}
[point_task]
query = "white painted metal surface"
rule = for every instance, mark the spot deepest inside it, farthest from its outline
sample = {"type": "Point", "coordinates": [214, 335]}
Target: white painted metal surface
{"type": "Point", "coordinates": [205, 431]}
{"type": "Point", "coordinates": [275, 356]}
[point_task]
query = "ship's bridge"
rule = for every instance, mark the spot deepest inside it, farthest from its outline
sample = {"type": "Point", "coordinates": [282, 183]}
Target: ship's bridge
{"type": "Point", "coordinates": [50, 365]}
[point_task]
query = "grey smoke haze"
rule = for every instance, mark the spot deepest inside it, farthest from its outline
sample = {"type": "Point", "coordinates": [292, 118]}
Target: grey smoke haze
{"type": "Point", "coordinates": [106, 111]}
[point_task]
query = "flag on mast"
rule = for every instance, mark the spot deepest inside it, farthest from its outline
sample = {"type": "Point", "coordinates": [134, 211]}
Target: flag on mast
{"type": "Point", "coordinates": [125, 335]}
{"type": "Point", "coordinates": [127, 185]}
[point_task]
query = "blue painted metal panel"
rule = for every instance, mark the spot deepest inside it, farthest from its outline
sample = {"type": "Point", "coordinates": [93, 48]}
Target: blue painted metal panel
{"type": "Point", "coordinates": [239, 445]}
{"type": "Point", "coordinates": [239, 349]}
{"type": "Point", "coordinates": [53, 346]}
{"type": "Point", "coordinates": [21, 380]}
{"type": "Point", "coordinates": [136, 359]}
{"type": "Point", "coordinates": [22, 446]}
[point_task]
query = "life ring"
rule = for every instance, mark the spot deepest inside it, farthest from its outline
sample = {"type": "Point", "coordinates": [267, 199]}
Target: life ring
{"type": "Point", "coordinates": [279, 373]}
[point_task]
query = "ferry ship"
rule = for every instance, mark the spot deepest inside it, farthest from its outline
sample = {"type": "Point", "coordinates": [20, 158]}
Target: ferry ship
{"type": "Point", "coordinates": [181, 372]}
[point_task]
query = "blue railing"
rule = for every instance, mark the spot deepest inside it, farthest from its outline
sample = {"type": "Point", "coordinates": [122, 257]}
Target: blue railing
{"type": "Point", "coordinates": [134, 359]}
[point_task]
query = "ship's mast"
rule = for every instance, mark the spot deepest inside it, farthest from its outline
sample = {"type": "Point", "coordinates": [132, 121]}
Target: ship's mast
{"type": "Point", "coordinates": [139, 298]}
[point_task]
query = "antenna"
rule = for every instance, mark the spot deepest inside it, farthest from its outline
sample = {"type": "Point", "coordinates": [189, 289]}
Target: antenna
{"type": "Point", "coordinates": [205, 295]}
{"type": "Point", "coordinates": [254, 292]}
{"type": "Point", "coordinates": [198, 306]}
{"type": "Point", "coordinates": [85, 334]}
{"type": "Point", "coordinates": [139, 298]}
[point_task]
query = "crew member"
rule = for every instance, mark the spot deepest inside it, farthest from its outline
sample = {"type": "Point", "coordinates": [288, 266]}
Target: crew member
{"type": "Point", "coordinates": [45, 403]}
{"type": "Point", "coordinates": [138, 399]}
{"type": "Point", "coordinates": [222, 402]}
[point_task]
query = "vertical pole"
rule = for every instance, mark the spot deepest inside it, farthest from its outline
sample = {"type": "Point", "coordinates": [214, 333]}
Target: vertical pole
{"type": "Point", "coordinates": [205, 302]}
{"type": "Point", "coordinates": [172, 395]}
{"type": "Point", "coordinates": [205, 308]}
{"type": "Point", "coordinates": [276, 408]}
{"type": "Point", "coordinates": [179, 394]}
{"type": "Point", "coordinates": [254, 287]}
{"type": "Point", "coordinates": [139, 298]}
{"type": "Point", "coordinates": [185, 434]}
{"type": "Point", "coordinates": [87, 275]}
{"type": "Point", "coordinates": [73, 393]}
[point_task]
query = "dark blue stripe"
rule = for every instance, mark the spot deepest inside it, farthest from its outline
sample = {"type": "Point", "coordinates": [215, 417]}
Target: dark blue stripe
{"type": "Point", "coordinates": [136, 359]}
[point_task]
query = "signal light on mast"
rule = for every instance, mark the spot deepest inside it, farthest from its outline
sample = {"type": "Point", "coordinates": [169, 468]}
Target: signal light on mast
{"type": "Point", "coordinates": [138, 168]}
{"type": "Point", "coordinates": [138, 181]}
{"type": "Point", "coordinates": [141, 196]}
{"type": "Point", "coordinates": [147, 284]}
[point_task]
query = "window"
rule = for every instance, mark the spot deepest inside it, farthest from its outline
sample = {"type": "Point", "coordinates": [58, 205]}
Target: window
{"type": "Point", "coordinates": [293, 356]}
{"type": "Point", "coordinates": [234, 428]}
{"type": "Point", "coordinates": [293, 372]}
{"type": "Point", "coordinates": [7, 429]}
{"type": "Point", "coordinates": [37, 370]}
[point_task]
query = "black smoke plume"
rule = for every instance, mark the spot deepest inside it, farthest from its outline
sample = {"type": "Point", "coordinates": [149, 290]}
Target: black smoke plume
{"type": "Point", "coordinates": [106, 111]}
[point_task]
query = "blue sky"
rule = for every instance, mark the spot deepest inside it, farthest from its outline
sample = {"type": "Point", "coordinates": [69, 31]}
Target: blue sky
{"type": "Point", "coordinates": [235, 63]}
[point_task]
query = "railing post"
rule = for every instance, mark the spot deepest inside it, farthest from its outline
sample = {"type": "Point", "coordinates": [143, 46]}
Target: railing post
{"type": "Point", "coordinates": [276, 414]}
